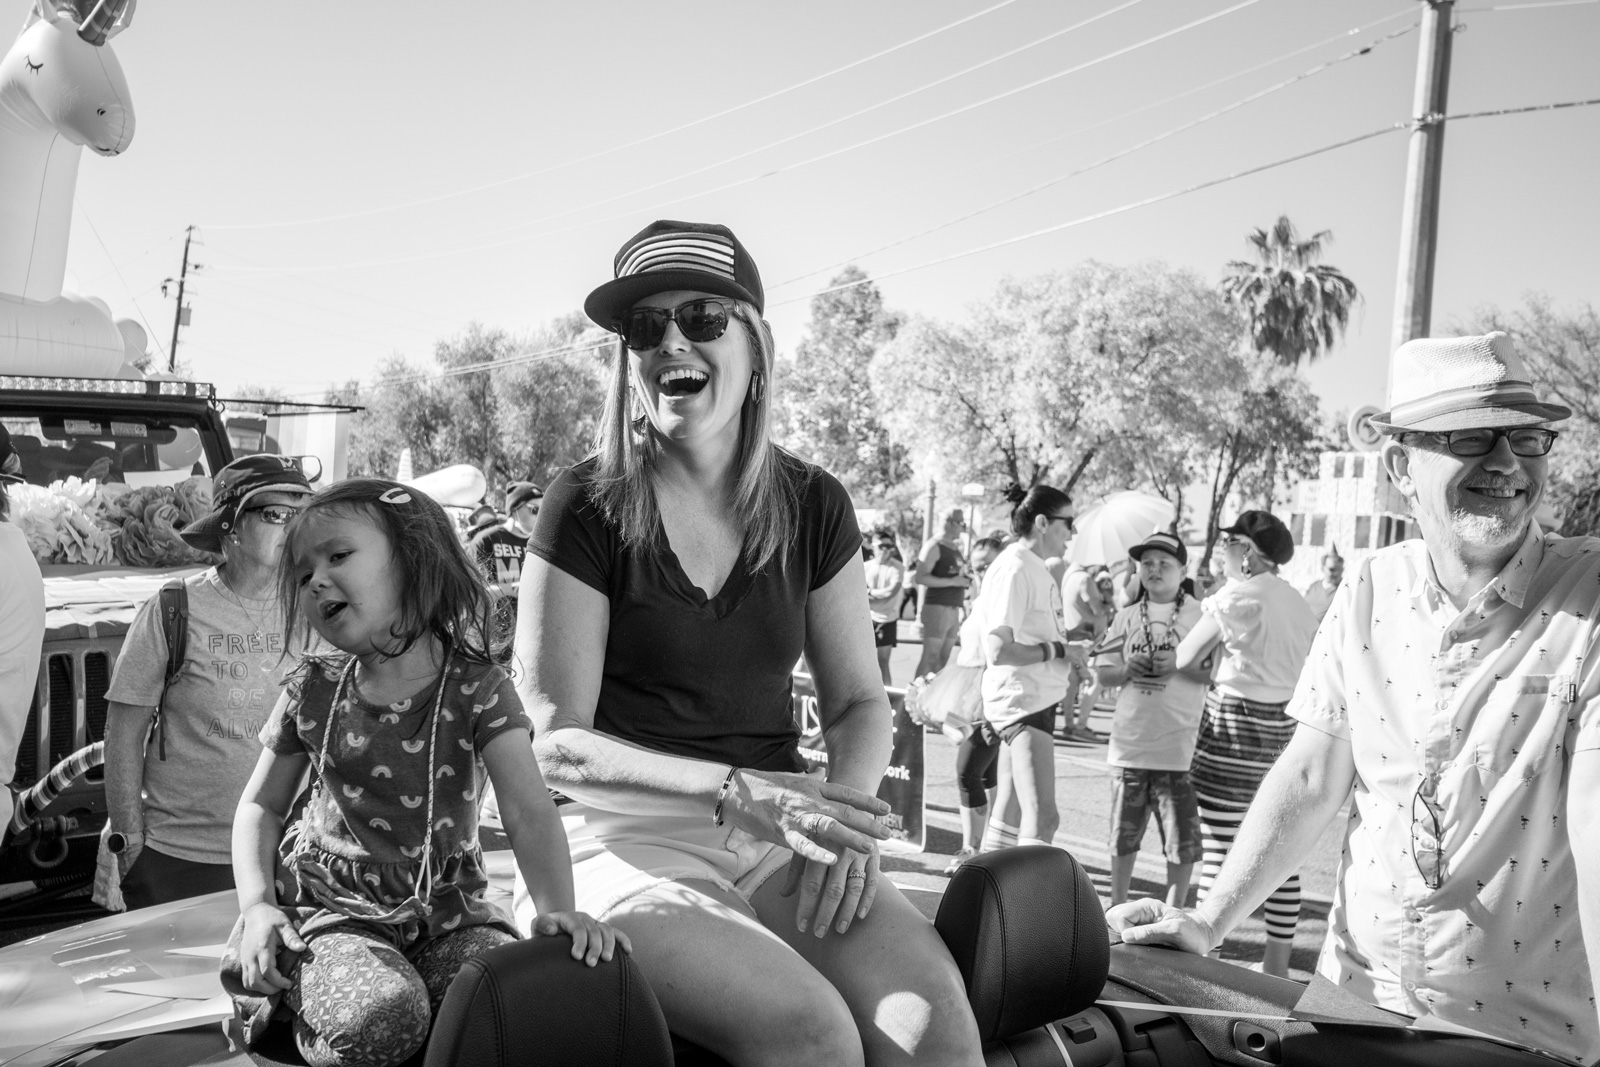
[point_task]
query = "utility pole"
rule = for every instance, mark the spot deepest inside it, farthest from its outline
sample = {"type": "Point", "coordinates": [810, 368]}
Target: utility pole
{"type": "Point", "coordinates": [1419, 224]}
{"type": "Point", "coordinates": [180, 316]}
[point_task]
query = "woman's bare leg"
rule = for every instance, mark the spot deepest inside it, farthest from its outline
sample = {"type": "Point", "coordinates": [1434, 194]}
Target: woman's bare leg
{"type": "Point", "coordinates": [895, 973]}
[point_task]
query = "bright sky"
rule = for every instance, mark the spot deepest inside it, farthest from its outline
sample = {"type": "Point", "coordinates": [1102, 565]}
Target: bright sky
{"type": "Point", "coordinates": [486, 169]}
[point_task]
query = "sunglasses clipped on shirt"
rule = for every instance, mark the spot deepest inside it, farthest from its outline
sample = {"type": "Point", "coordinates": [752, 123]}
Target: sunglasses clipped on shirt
{"type": "Point", "coordinates": [1426, 847]}
{"type": "Point", "coordinates": [701, 320]}
{"type": "Point", "coordinates": [273, 514]}
{"type": "Point", "coordinates": [1525, 441]}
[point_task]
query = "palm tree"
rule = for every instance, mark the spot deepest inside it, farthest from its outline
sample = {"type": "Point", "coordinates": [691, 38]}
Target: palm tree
{"type": "Point", "coordinates": [1296, 306]}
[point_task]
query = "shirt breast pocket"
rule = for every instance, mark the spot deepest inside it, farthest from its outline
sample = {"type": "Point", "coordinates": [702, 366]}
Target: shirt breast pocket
{"type": "Point", "coordinates": [1521, 725]}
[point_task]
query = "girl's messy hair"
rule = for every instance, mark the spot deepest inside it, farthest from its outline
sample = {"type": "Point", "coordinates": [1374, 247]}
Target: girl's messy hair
{"type": "Point", "coordinates": [442, 592]}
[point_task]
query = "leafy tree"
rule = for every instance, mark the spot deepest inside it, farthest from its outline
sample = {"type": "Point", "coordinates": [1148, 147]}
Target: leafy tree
{"type": "Point", "coordinates": [1562, 351]}
{"type": "Point", "coordinates": [826, 407]}
{"type": "Point", "coordinates": [1296, 307]}
{"type": "Point", "coordinates": [1081, 380]}
{"type": "Point", "coordinates": [549, 407]}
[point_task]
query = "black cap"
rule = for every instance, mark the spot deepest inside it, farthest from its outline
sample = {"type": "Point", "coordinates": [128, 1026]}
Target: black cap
{"type": "Point", "coordinates": [1268, 532]}
{"type": "Point", "coordinates": [1161, 541]}
{"type": "Point", "coordinates": [667, 255]}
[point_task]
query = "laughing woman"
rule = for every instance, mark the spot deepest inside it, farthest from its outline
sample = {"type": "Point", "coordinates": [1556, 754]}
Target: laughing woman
{"type": "Point", "coordinates": [673, 580]}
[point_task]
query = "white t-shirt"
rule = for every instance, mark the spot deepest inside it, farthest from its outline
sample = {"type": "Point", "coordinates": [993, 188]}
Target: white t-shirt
{"type": "Point", "coordinates": [1019, 592]}
{"type": "Point", "coordinates": [1157, 719]}
{"type": "Point", "coordinates": [1319, 597]}
{"type": "Point", "coordinates": [21, 640]}
{"type": "Point", "coordinates": [884, 578]}
{"type": "Point", "coordinates": [1267, 628]}
{"type": "Point", "coordinates": [215, 711]}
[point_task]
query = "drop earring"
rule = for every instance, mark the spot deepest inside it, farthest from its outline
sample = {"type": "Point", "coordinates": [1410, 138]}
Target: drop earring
{"type": "Point", "coordinates": [1244, 565]}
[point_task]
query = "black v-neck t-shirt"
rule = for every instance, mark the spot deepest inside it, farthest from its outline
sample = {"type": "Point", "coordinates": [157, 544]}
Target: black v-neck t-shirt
{"type": "Point", "coordinates": [708, 679]}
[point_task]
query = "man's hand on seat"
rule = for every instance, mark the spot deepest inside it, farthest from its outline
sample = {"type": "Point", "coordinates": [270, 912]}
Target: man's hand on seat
{"type": "Point", "coordinates": [1155, 922]}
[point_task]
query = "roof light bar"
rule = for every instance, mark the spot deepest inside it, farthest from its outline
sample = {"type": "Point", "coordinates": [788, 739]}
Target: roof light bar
{"type": "Point", "coordinates": [124, 386]}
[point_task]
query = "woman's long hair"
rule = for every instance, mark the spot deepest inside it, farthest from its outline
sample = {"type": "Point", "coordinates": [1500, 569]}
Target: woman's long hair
{"type": "Point", "coordinates": [766, 493]}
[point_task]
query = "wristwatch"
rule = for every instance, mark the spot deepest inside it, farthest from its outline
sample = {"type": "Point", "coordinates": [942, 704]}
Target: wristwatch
{"type": "Point", "coordinates": [117, 842]}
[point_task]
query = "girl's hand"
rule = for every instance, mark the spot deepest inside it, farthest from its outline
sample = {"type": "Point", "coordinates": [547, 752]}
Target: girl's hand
{"type": "Point", "coordinates": [816, 818]}
{"type": "Point", "coordinates": [266, 928]}
{"type": "Point", "coordinates": [1140, 665]}
{"type": "Point", "coordinates": [592, 940]}
{"type": "Point", "coordinates": [842, 892]}
{"type": "Point", "coordinates": [1163, 661]}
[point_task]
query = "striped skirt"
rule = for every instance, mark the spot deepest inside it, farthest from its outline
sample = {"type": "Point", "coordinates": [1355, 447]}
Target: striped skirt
{"type": "Point", "coordinates": [1239, 742]}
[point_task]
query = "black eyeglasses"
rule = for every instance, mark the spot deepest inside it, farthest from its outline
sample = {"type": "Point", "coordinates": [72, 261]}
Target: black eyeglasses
{"type": "Point", "coordinates": [1428, 851]}
{"type": "Point", "coordinates": [273, 514]}
{"type": "Point", "coordinates": [1525, 441]}
{"type": "Point", "coordinates": [700, 320]}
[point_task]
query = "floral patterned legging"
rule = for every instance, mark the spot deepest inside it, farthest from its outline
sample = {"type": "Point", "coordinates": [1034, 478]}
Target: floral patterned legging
{"type": "Point", "coordinates": [359, 1002]}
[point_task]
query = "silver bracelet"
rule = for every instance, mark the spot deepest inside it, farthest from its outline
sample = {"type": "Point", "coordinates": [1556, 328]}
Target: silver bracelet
{"type": "Point", "coordinates": [722, 796]}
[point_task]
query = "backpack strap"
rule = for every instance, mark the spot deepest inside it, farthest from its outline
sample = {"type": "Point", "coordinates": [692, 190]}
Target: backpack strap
{"type": "Point", "coordinates": [173, 603]}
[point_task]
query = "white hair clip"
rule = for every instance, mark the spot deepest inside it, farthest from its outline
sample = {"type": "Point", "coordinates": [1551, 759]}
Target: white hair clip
{"type": "Point", "coordinates": [397, 495]}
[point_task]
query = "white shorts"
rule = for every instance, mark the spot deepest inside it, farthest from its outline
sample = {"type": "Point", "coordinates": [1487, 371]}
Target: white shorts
{"type": "Point", "coordinates": [616, 857]}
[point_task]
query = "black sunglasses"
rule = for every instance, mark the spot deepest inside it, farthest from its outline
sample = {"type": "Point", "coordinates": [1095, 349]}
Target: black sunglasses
{"type": "Point", "coordinates": [701, 320]}
{"type": "Point", "coordinates": [1525, 441]}
{"type": "Point", "coordinates": [1428, 852]}
{"type": "Point", "coordinates": [1062, 518]}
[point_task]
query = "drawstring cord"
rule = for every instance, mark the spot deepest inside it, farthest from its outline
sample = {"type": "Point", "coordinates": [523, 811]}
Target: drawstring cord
{"type": "Point", "coordinates": [316, 879]}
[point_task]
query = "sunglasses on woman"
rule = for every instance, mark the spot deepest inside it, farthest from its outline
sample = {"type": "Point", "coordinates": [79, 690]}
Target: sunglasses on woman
{"type": "Point", "coordinates": [274, 514]}
{"type": "Point", "coordinates": [700, 320]}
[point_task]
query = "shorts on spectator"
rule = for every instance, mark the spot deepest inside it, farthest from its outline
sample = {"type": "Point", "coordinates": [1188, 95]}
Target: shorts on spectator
{"type": "Point", "coordinates": [617, 857]}
{"type": "Point", "coordinates": [886, 634]}
{"type": "Point", "coordinates": [1170, 795]}
{"type": "Point", "coordinates": [1044, 719]}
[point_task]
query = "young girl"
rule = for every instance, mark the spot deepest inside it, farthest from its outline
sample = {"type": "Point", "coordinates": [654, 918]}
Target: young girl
{"type": "Point", "coordinates": [377, 891]}
{"type": "Point", "coordinates": [1157, 718]}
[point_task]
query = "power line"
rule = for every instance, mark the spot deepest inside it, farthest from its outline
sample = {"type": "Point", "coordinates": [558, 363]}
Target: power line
{"type": "Point", "coordinates": [280, 320]}
{"type": "Point", "coordinates": [631, 144]}
{"type": "Point", "coordinates": [463, 250]}
{"type": "Point", "coordinates": [1113, 157]}
{"type": "Point", "coordinates": [602, 342]}
{"type": "Point", "coordinates": [1392, 128]}
{"type": "Point", "coordinates": [1104, 214]}
{"type": "Point", "coordinates": [148, 329]}
{"type": "Point", "coordinates": [992, 160]}
{"type": "Point", "coordinates": [1524, 7]}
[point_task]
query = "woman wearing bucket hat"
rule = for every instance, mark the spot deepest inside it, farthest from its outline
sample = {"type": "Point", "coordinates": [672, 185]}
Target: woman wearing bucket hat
{"type": "Point", "coordinates": [170, 798]}
{"type": "Point", "coordinates": [1264, 627]}
{"type": "Point", "coordinates": [673, 580]}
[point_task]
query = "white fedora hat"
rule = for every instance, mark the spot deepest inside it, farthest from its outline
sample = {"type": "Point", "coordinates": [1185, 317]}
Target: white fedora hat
{"type": "Point", "coordinates": [1460, 383]}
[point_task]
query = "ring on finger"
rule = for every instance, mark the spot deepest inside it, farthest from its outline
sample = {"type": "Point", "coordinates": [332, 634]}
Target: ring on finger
{"type": "Point", "coordinates": [857, 874]}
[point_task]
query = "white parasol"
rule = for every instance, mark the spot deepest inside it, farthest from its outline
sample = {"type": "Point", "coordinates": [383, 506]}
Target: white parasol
{"type": "Point", "coordinates": [1106, 531]}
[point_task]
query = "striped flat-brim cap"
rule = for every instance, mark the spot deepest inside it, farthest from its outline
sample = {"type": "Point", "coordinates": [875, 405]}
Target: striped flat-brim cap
{"type": "Point", "coordinates": [668, 255]}
{"type": "Point", "coordinates": [1458, 383]}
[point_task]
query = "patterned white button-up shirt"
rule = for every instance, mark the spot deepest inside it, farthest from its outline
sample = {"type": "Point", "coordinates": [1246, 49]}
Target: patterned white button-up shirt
{"type": "Point", "coordinates": [1480, 710]}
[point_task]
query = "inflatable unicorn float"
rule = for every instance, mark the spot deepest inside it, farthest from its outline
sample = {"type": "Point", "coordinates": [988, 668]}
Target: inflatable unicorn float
{"type": "Point", "coordinates": [61, 90]}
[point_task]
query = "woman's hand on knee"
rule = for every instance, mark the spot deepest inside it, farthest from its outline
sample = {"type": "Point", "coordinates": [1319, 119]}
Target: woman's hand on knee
{"type": "Point", "coordinates": [833, 895]}
{"type": "Point", "coordinates": [816, 818]}
{"type": "Point", "coordinates": [592, 940]}
{"type": "Point", "coordinates": [266, 929]}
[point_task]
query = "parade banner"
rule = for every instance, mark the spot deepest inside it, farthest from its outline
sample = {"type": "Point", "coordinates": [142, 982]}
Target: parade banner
{"type": "Point", "coordinates": [902, 781]}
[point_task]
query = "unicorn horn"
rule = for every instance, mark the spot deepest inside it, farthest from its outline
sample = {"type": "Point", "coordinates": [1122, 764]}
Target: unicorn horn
{"type": "Point", "coordinates": [107, 19]}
